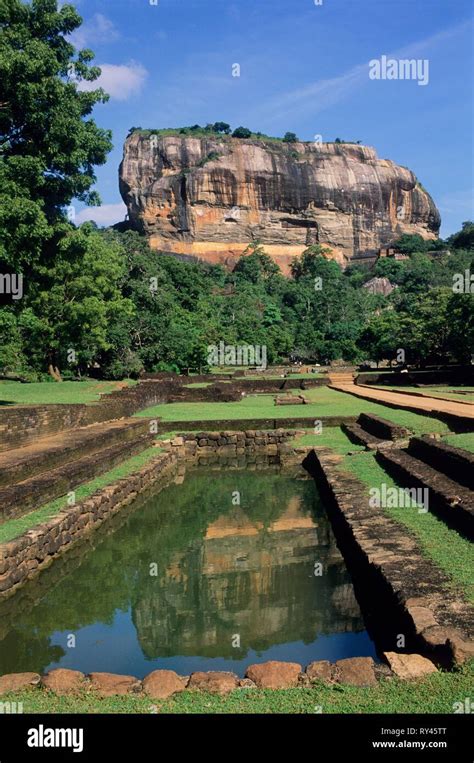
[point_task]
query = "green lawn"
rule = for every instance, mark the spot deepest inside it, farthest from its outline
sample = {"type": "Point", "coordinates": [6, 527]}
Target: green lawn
{"type": "Point", "coordinates": [449, 550]}
{"type": "Point", "coordinates": [330, 437]}
{"type": "Point", "coordinates": [57, 392]}
{"type": "Point", "coordinates": [435, 694]}
{"type": "Point", "coordinates": [446, 392]}
{"type": "Point", "coordinates": [15, 527]}
{"type": "Point", "coordinates": [465, 441]}
{"type": "Point", "coordinates": [323, 402]}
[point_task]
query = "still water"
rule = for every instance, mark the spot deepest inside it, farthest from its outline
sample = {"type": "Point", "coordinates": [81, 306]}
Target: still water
{"type": "Point", "coordinates": [211, 574]}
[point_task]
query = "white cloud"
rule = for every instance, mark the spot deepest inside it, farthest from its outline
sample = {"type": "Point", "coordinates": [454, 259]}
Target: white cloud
{"type": "Point", "coordinates": [457, 202]}
{"type": "Point", "coordinates": [321, 94]}
{"type": "Point", "coordinates": [107, 214]}
{"type": "Point", "coordinates": [120, 81]}
{"type": "Point", "coordinates": [99, 29]}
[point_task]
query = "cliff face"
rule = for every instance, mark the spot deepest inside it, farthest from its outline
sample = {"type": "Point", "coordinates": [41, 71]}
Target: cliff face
{"type": "Point", "coordinates": [210, 197]}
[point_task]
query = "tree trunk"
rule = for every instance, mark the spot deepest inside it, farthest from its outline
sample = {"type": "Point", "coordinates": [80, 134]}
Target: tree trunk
{"type": "Point", "coordinates": [54, 372]}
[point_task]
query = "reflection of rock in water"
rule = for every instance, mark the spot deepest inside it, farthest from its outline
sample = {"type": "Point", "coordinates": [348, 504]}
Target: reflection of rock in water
{"type": "Point", "coordinates": [344, 600]}
{"type": "Point", "coordinates": [245, 579]}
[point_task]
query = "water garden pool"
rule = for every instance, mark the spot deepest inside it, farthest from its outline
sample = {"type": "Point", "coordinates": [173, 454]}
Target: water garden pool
{"type": "Point", "coordinates": [220, 569]}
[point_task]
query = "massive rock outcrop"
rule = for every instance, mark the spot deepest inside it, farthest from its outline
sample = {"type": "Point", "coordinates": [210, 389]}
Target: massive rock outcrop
{"type": "Point", "coordinates": [209, 197]}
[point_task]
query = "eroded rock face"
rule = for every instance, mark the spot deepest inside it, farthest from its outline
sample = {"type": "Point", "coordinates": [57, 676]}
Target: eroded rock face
{"type": "Point", "coordinates": [210, 197]}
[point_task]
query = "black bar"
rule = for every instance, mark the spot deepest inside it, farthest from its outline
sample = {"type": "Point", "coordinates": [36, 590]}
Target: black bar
{"type": "Point", "coordinates": [155, 736]}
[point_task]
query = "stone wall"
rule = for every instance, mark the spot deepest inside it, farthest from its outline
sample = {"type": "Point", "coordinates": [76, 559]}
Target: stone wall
{"type": "Point", "coordinates": [28, 554]}
{"type": "Point", "coordinates": [452, 502]}
{"type": "Point", "coordinates": [23, 424]}
{"type": "Point", "coordinates": [458, 375]}
{"type": "Point", "coordinates": [382, 428]}
{"type": "Point", "coordinates": [307, 422]}
{"type": "Point", "coordinates": [388, 566]}
{"type": "Point", "coordinates": [19, 499]}
{"type": "Point", "coordinates": [232, 442]}
{"type": "Point", "coordinates": [456, 463]}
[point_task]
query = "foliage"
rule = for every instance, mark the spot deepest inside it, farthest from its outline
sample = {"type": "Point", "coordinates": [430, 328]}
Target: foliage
{"type": "Point", "coordinates": [48, 149]}
{"type": "Point", "coordinates": [102, 302]}
{"type": "Point", "coordinates": [221, 127]}
{"type": "Point", "coordinates": [241, 132]}
{"type": "Point", "coordinates": [48, 143]}
{"type": "Point", "coordinates": [464, 239]}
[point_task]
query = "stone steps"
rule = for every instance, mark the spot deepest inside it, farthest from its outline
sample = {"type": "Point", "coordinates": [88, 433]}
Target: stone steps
{"type": "Point", "coordinates": [376, 433]}
{"type": "Point", "coordinates": [388, 566]}
{"type": "Point", "coordinates": [33, 492]}
{"type": "Point", "coordinates": [455, 463]}
{"type": "Point", "coordinates": [382, 428]}
{"type": "Point", "coordinates": [360, 436]}
{"type": "Point", "coordinates": [48, 453]}
{"type": "Point", "coordinates": [449, 500]}
{"type": "Point", "coordinates": [341, 377]}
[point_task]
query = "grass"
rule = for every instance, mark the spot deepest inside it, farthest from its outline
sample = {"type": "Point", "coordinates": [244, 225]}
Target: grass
{"type": "Point", "coordinates": [323, 402]}
{"type": "Point", "coordinates": [330, 437]}
{"type": "Point", "coordinates": [438, 392]}
{"type": "Point", "coordinates": [15, 527]}
{"type": "Point", "coordinates": [201, 132]}
{"type": "Point", "coordinates": [465, 441]}
{"type": "Point", "coordinates": [444, 546]}
{"type": "Point", "coordinates": [436, 693]}
{"type": "Point", "coordinates": [37, 393]}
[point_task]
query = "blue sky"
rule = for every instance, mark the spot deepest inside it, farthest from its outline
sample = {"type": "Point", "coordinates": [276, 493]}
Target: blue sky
{"type": "Point", "coordinates": [303, 67]}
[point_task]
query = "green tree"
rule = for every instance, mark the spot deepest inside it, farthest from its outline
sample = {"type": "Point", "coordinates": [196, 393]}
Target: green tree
{"type": "Point", "coordinates": [314, 263]}
{"type": "Point", "coordinates": [389, 267]}
{"type": "Point", "coordinates": [222, 127]}
{"type": "Point", "coordinates": [241, 132]}
{"type": "Point", "coordinates": [68, 317]}
{"type": "Point", "coordinates": [290, 137]}
{"type": "Point", "coordinates": [410, 243]}
{"type": "Point", "coordinates": [48, 145]}
{"type": "Point", "coordinates": [464, 239]}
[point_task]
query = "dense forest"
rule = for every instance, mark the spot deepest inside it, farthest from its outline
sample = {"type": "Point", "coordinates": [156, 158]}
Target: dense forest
{"type": "Point", "coordinates": [112, 303]}
{"type": "Point", "coordinates": [100, 301]}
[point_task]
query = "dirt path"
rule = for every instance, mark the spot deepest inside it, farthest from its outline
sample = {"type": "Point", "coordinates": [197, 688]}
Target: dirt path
{"type": "Point", "coordinates": [409, 402]}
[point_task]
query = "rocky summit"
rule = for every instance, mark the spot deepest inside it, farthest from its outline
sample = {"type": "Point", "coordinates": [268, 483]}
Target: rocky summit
{"type": "Point", "coordinates": [209, 197]}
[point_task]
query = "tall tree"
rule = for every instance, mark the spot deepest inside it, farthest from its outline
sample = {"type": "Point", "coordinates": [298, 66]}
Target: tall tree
{"type": "Point", "coordinates": [48, 145]}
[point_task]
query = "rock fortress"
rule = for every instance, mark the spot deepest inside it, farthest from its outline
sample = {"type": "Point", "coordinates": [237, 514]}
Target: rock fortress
{"type": "Point", "coordinates": [209, 197]}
